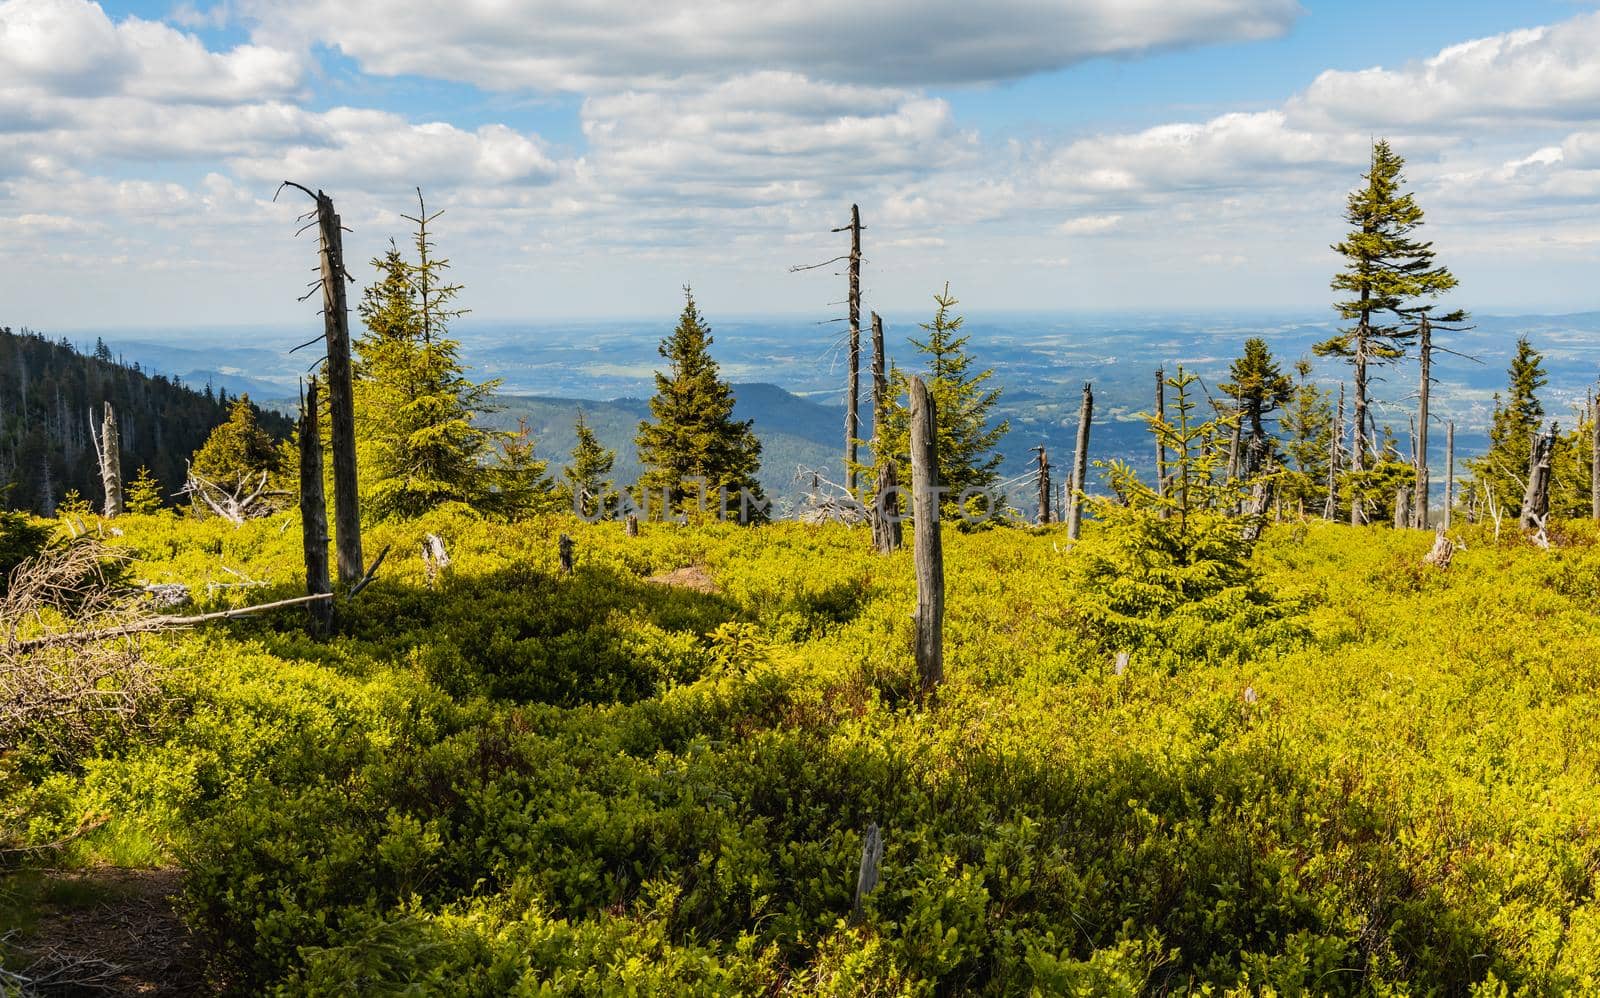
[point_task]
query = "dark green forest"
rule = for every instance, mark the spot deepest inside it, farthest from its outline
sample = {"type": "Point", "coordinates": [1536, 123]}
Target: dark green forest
{"type": "Point", "coordinates": [48, 389]}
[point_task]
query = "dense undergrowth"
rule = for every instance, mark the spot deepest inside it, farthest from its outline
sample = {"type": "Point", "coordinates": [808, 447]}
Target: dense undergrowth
{"type": "Point", "coordinates": [1346, 774]}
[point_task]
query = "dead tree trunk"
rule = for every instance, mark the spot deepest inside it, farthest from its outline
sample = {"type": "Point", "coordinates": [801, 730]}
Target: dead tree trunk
{"type": "Point", "coordinates": [1536, 497]}
{"type": "Point", "coordinates": [631, 526]}
{"type": "Point", "coordinates": [1443, 550]}
{"type": "Point", "coordinates": [1044, 486]}
{"type": "Point", "coordinates": [565, 550]}
{"type": "Point", "coordinates": [341, 401]}
{"type": "Point", "coordinates": [1161, 444]}
{"type": "Point", "coordinates": [885, 511]}
{"type": "Point", "coordinates": [1233, 446]}
{"type": "Point", "coordinates": [435, 559]}
{"type": "Point", "coordinates": [928, 549]}
{"type": "Point", "coordinates": [1330, 509]}
{"type": "Point", "coordinates": [314, 513]}
{"type": "Point", "coordinates": [1594, 460]}
{"type": "Point", "coordinates": [852, 416]}
{"type": "Point", "coordinates": [108, 448]}
{"type": "Point", "coordinates": [867, 873]}
{"type": "Point", "coordinates": [1263, 490]}
{"type": "Point", "coordinates": [1080, 464]}
{"type": "Point", "coordinates": [886, 535]}
{"type": "Point", "coordinates": [1449, 471]}
{"type": "Point", "coordinates": [1425, 350]}
{"type": "Point", "coordinates": [1358, 440]}
{"type": "Point", "coordinates": [1402, 508]}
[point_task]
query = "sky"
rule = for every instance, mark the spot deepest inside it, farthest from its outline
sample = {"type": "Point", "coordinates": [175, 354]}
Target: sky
{"type": "Point", "coordinates": [591, 158]}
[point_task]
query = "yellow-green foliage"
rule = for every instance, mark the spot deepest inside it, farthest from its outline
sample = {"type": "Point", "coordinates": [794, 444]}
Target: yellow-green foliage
{"type": "Point", "coordinates": [1352, 774]}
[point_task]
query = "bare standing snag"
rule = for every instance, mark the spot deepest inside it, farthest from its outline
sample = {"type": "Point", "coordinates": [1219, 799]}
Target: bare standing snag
{"type": "Point", "coordinates": [928, 550]}
{"type": "Point", "coordinates": [1080, 464]}
{"type": "Point", "coordinates": [341, 399]}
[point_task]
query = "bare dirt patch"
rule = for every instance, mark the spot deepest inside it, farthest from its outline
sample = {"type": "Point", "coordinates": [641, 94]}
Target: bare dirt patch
{"type": "Point", "coordinates": [107, 930]}
{"type": "Point", "coordinates": [689, 577]}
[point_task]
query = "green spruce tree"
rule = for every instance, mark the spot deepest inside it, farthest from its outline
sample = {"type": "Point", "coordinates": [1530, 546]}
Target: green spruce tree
{"type": "Point", "coordinates": [1307, 427]}
{"type": "Point", "coordinates": [1259, 389]}
{"type": "Point", "coordinates": [144, 493]}
{"type": "Point", "coordinates": [963, 405]}
{"type": "Point", "coordinates": [586, 487]}
{"type": "Point", "coordinates": [698, 458]}
{"type": "Point", "coordinates": [1387, 279]}
{"type": "Point", "coordinates": [241, 461]}
{"type": "Point", "coordinates": [416, 409]}
{"type": "Point", "coordinates": [520, 482]}
{"type": "Point", "coordinates": [1503, 471]}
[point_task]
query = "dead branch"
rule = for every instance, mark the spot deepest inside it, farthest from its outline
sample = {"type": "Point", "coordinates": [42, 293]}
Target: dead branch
{"type": "Point", "coordinates": [235, 505]}
{"type": "Point", "coordinates": [827, 501]}
{"type": "Point", "coordinates": [372, 573]}
{"type": "Point", "coordinates": [797, 268]}
{"type": "Point", "coordinates": [165, 622]}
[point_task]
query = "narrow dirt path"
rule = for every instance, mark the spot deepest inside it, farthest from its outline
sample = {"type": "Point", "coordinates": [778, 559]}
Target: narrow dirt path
{"type": "Point", "coordinates": [107, 930]}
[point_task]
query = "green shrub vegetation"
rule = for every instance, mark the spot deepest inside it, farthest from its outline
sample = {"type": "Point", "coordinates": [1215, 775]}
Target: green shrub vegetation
{"type": "Point", "coordinates": [1333, 770]}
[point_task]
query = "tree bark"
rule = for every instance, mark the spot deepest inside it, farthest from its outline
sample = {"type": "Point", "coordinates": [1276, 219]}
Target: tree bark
{"type": "Point", "coordinates": [885, 511]}
{"type": "Point", "coordinates": [1331, 508]}
{"type": "Point", "coordinates": [314, 514]}
{"type": "Point", "coordinates": [928, 551]}
{"type": "Point", "coordinates": [1449, 471]}
{"type": "Point", "coordinates": [1080, 464]}
{"type": "Point", "coordinates": [341, 397]}
{"type": "Point", "coordinates": [1262, 492]}
{"type": "Point", "coordinates": [1443, 550]}
{"type": "Point", "coordinates": [1161, 445]}
{"type": "Point", "coordinates": [867, 873]}
{"type": "Point", "coordinates": [1536, 497]}
{"type": "Point", "coordinates": [1425, 351]}
{"type": "Point", "coordinates": [1594, 460]}
{"type": "Point", "coordinates": [1358, 438]}
{"type": "Point", "coordinates": [852, 417]}
{"type": "Point", "coordinates": [1044, 486]}
{"type": "Point", "coordinates": [1402, 508]}
{"type": "Point", "coordinates": [1233, 447]}
{"type": "Point", "coordinates": [110, 448]}
{"type": "Point", "coordinates": [566, 552]}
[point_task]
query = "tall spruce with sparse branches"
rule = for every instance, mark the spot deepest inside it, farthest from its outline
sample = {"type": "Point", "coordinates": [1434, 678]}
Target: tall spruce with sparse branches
{"type": "Point", "coordinates": [692, 448]}
{"type": "Point", "coordinates": [415, 406]}
{"type": "Point", "coordinates": [1388, 278]}
{"type": "Point", "coordinates": [1503, 469]}
{"type": "Point", "coordinates": [1307, 428]}
{"type": "Point", "coordinates": [1259, 389]}
{"type": "Point", "coordinates": [963, 405]}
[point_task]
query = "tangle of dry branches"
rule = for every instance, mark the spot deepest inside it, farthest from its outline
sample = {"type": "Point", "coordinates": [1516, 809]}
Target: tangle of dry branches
{"type": "Point", "coordinates": [62, 694]}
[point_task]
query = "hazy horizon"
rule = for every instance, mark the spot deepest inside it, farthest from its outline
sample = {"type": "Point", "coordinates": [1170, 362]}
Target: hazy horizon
{"type": "Point", "coordinates": [1078, 154]}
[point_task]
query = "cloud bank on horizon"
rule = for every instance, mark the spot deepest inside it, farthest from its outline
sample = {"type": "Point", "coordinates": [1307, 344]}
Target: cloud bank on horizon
{"type": "Point", "coordinates": [593, 157]}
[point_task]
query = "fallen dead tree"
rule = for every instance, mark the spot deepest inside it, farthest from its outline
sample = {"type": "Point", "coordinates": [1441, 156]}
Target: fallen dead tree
{"type": "Point", "coordinates": [247, 499]}
{"type": "Point", "coordinates": [825, 501]}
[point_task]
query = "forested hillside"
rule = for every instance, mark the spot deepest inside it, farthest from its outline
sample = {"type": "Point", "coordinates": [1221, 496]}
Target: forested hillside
{"type": "Point", "coordinates": [48, 393]}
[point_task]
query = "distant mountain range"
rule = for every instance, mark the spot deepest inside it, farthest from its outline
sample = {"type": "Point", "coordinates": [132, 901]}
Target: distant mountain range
{"type": "Point", "coordinates": [790, 374]}
{"type": "Point", "coordinates": [795, 433]}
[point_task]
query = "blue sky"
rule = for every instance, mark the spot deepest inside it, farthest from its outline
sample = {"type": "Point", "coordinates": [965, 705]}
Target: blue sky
{"type": "Point", "coordinates": [1070, 154]}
